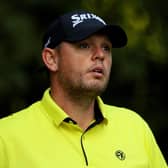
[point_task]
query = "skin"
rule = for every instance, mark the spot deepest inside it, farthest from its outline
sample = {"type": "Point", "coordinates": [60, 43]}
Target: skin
{"type": "Point", "coordinates": [79, 72]}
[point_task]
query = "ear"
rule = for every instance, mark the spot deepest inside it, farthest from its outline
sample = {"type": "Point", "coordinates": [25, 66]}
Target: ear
{"type": "Point", "coordinates": [49, 57]}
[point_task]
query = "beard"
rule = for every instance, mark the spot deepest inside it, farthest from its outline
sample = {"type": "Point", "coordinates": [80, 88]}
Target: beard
{"type": "Point", "coordinates": [78, 86]}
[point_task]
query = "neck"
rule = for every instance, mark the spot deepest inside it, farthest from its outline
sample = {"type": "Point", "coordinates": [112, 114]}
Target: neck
{"type": "Point", "coordinates": [80, 108]}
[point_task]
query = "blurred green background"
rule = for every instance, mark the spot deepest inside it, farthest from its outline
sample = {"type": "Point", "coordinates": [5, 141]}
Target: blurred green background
{"type": "Point", "coordinates": [139, 73]}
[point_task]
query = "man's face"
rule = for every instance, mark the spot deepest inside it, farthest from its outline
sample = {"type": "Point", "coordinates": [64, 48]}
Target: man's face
{"type": "Point", "coordinates": [84, 67]}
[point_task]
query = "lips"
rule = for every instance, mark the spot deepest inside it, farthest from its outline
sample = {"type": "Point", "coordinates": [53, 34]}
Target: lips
{"type": "Point", "coordinates": [98, 71]}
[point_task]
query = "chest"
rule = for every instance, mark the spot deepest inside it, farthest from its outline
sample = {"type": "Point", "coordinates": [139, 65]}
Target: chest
{"type": "Point", "coordinates": [68, 146]}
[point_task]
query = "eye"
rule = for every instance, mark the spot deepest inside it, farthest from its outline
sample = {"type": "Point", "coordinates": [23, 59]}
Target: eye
{"type": "Point", "coordinates": [83, 45]}
{"type": "Point", "coordinates": [107, 48]}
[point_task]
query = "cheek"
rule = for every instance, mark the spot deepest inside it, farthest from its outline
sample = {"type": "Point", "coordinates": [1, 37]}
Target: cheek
{"type": "Point", "coordinates": [69, 68]}
{"type": "Point", "coordinates": [108, 63]}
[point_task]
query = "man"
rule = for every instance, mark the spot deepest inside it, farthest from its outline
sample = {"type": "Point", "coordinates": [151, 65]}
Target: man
{"type": "Point", "coordinates": [71, 127]}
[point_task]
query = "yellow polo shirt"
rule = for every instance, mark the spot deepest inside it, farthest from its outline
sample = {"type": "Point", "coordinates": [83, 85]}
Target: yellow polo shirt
{"type": "Point", "coordinates": [43, 136]}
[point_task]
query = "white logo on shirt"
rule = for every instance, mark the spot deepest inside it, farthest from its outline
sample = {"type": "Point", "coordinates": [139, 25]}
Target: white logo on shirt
{"type": "Point", "coordinates": [79, 18]}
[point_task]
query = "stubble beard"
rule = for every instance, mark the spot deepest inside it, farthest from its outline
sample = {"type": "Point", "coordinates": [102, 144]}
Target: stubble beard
{"type": "Point", "coordinates": [79, 88]}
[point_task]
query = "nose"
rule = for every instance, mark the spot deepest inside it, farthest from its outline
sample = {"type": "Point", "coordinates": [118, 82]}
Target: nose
{"type": "Point", "coordinates": [98, 54]}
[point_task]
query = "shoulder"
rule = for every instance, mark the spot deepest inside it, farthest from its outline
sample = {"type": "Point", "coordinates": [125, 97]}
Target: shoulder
{"type": "Point", "coordinates": [120, 111]}
{"type": "Point", "coordinates": [19, 119]}
{"type": "Point", "coordinates": [116, 111]}
{"type": "Point", "coordinates": [127, 121]}
{"type": "Point", "coordinates": [122, 115]}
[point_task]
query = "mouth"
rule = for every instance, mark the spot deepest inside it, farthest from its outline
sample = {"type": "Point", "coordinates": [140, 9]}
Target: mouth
{"type": "Point", "coordinates": [98, 72]}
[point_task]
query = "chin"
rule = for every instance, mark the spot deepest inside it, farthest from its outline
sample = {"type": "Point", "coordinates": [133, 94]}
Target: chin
{"type": "Point", "coordinates": [99, 86]}
{"type": "Point", "coordinates": [95, 89]}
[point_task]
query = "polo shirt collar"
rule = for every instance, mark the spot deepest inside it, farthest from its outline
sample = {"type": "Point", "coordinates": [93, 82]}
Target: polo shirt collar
{"type": "Point", "coordinates": [52, 109]}
{"type": "Point", "coordinates": [58, 115]}
{"type": "Point", "coordinates": [101, 109]}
